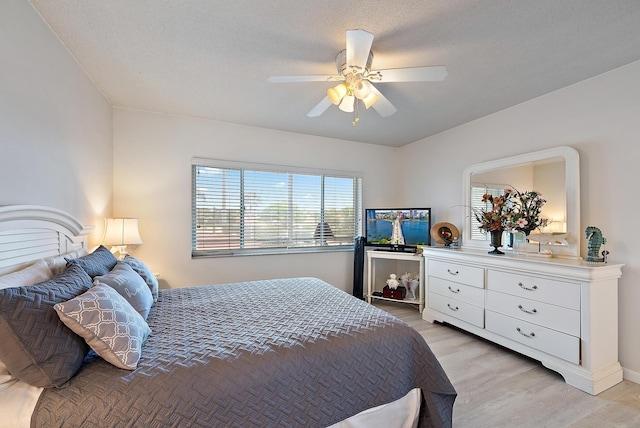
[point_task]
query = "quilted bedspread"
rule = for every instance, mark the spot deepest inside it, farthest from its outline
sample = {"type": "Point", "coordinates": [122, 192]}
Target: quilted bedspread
{"type": "Point", "coordinates": [277, 353]}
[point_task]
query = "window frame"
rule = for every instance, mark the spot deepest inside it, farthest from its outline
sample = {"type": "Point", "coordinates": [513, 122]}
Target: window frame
{"type": "Point", "coordinates": [280, 169]}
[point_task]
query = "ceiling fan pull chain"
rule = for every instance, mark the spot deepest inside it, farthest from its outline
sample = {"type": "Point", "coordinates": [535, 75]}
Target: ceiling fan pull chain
{"type": "Point", "coordinates": [356, 119]}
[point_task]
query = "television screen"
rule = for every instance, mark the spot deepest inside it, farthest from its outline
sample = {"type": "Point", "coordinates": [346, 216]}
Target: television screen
{"type": "Point", "coordinates": [398, 227]}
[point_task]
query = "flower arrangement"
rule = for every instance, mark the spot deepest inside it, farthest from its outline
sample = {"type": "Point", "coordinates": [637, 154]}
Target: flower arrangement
{"type": "Point", "coordinates": [499, 217]}
{"type": "Point", "coordinates": [527, 207]}
{"type": "Point", "coordinates": [513, 210]}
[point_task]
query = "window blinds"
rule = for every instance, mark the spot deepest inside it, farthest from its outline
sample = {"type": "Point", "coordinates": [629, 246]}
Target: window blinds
{"type": "Point", "coordinates": [247, 209]}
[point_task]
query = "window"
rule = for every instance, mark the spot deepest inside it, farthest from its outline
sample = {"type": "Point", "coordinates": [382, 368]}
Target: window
{"type": "Point", "coordinates": [476, 204]}
{"type": "Point", "coordinates": [245, 209]}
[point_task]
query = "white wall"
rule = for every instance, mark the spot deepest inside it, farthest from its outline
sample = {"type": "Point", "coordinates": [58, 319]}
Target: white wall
{"type": "Point", "coordinates": [55, 126]}
{"type": "Point", "coordinates": [599, 117]}
{"type": "Point", "coordinates": [152, 181]}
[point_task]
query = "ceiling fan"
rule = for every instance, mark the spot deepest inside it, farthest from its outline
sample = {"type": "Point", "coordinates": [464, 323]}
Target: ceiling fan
{"type": "Point", "coordinates": [356, 77]}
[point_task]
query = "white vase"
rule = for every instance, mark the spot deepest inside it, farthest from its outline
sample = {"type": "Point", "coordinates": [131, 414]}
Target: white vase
{"type": "Point", "coordinates": [415, 285]}
{"type": "Point", "coordinates": [411, 287]}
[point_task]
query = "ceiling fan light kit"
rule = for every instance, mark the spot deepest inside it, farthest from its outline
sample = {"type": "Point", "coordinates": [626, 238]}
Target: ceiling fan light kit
{"type": "Point", "coordinates": [362, 89]}
{"type": "Point", "coordinates": [347, 104]}
{"type": "Point", "coordinates": [370, 99]}
{"type": "Point", "coordinates": [354, 71]}
{"type": "Point", "coordinates": [337, 93]}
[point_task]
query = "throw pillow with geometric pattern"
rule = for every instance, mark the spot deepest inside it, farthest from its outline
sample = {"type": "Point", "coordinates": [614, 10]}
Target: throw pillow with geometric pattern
{"type": "Point", "coordinates": [108, 323]}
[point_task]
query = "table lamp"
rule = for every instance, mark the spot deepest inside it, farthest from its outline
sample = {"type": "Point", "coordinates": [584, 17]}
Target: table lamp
{"type": "Point", "coordinates": [121, 232]}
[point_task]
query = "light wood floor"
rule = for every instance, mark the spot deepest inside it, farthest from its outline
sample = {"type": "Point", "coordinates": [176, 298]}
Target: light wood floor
{"type": "Point", "coordinates": [500, 388]}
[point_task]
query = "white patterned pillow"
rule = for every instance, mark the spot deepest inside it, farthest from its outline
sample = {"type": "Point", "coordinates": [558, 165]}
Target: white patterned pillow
{"type": "Point", "coordinates": [108, 323]}
{"type": "Point", "coordinates": [130, 285]}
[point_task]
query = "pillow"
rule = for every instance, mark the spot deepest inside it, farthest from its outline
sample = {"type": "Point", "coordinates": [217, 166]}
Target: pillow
{"type": "Point", "coordinates": [109, 324]}
{"type": "Point", "coordinates": [37, 272]}
{"type": "Point", "coordinates": [100, 262]}
{"type": "Point", "coordinates": [145, 273]}
{"type": "Point", "coordinates": [130, 285]}
{"type": "Point", "coordinates": [36, 346]}
{"type": "Point", "coordinates": [58, 263]}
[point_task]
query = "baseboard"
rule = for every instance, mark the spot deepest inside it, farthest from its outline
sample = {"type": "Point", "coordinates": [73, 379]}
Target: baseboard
{"type": "Point", "coordinates": [631, 375]}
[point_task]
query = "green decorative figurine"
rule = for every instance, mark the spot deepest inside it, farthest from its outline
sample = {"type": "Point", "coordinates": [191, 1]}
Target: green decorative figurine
{"type": "Point", "coordinates": [594, 235]}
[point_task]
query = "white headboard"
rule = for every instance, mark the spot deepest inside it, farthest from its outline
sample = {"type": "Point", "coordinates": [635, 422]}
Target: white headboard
{"type": "Point", "coordinates": [32, 232]}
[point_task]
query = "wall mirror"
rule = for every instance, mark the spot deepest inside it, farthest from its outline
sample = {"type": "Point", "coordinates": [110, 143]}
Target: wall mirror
{"type": "Point", "coordinates": [553, 172]}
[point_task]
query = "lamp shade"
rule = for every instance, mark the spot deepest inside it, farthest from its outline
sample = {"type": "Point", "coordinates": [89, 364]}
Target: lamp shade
{"type": "Point", "coordinates": [370, 99]}
{"type": "Point", "coordinates": [347, 103]}
{"type": "Point", "coordinates": [323, 231]}
{"type": "Point", "coordinates": [336, 93]}
{"type": "Point", "coordinates": [362, 89]}
{"type": "Point", "coordinates": [122, 231]}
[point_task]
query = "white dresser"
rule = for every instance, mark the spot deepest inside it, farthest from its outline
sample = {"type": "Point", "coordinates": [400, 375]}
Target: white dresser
{"type": "Point", "coordinates": [563, 313]}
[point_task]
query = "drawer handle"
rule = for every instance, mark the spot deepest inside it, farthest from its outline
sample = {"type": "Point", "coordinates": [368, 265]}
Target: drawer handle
{"type": "Point", "coordinates": [452, 273]}
{"type": "Point", "coordinates": [532, 311]}
{"type": "Point", "coordinates": [524, 287]}
{"type": "Point", "coordinates": [454, 291]}
{"type": "Point", "coordinates": [452, 308]}
{"type": "Point", "coordinates": [530, 335]}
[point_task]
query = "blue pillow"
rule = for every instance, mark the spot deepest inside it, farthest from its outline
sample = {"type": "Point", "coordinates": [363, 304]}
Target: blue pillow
{"type": "Point", "coordinates": [36, 346]}
{"type": "Point", "coordinates": [100, 262]}
{"type": "Point", "coordinates": [145, 273]}
{"type": "Point", "coordinates": [130, 285]}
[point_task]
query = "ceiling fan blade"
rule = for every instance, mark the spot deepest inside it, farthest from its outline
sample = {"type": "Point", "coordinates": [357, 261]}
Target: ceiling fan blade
{"type": "Point", "coordinates": [382, 105]}
{"type": "Point", "coordinates": [358, 48]}
{"type": "Point", "coordinates": [320, 108]}
{"type": "Point", "coordinates": [414, 74]}
{"type": "Point", "coordinates": [294, 79]}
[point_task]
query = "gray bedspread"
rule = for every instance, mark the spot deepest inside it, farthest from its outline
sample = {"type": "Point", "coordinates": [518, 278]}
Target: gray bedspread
{"type": "Point", "coordinates": [279, 353]}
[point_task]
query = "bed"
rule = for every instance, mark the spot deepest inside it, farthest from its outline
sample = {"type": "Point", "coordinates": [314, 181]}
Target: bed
{"type": "Point", "coordinates": [286, 352]}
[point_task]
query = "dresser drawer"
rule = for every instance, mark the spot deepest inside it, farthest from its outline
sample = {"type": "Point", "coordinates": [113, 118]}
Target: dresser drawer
{"type": "Point", "coordinates": [464, 311]}
{"type": "Point", "coordinates": [554, 317]}
{"type": "Point", "coordinates": [544, 339]}
{"type": "Point", "coordinates": [468, 275]}
{"type": "Point", "coordinates": [455, 290]}
{"type": "Point", "coordinates": [543, 290]}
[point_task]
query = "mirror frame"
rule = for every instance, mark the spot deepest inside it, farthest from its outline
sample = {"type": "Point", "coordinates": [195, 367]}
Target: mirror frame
{"type": "Point", "coordinates": [572, 195]}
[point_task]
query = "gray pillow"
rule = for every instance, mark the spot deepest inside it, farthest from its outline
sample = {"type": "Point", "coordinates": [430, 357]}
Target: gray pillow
{"type": "Point", "coordinates": [100, 262]}
{"type": "Point", "coordinates": [145, 273]}
{"type": "Point", "coordinates": [130, 285]}
{"type": "Point", "coordinates": [109, 324]}
{"type": "Point", "coordinates": [36, 346]}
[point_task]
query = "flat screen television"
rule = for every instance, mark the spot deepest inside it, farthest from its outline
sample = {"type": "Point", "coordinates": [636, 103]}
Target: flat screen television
{"type": "Point", "coordinates": [400, 229]}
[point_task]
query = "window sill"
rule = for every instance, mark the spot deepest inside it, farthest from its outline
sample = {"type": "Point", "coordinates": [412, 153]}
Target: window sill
{"type": "Point", "coordinates": [268, 252]}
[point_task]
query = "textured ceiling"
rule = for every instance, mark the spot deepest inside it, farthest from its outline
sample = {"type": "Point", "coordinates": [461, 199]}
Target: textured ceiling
{"type": "Point", "coordinates": [211, 59]}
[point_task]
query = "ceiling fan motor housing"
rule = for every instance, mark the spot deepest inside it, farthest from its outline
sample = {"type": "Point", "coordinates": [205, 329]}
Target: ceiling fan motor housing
{"type": "Point", "coordinates": [344, 68]}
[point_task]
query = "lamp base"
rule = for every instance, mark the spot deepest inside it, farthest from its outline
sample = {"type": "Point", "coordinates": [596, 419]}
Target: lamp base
{"type": "Point", "coordinates": [121, 250]}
